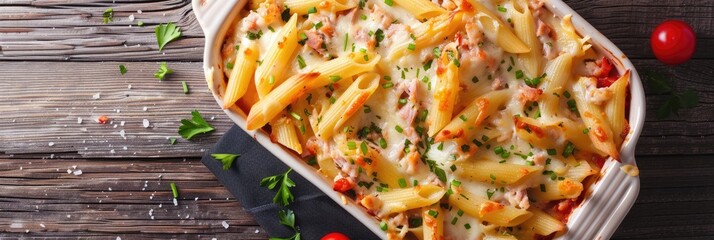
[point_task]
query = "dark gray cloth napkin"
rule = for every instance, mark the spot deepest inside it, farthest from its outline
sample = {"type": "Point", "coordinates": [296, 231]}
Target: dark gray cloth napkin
{"type": "Point", "coordinates": [316, 214]}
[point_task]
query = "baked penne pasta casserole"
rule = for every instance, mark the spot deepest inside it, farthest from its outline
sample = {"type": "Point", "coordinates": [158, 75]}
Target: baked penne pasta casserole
{"type": "Point", "coordinates": [443, 119]}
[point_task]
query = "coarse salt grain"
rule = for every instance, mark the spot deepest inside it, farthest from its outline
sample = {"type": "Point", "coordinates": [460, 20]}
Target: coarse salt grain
{"type": "Point", "coordinates": [146, 109]}
{"type": "Point", "coordinates": [51, 144]}
{"type": "Point", "coordinates": [42, 225]}
{"type": "Point", "coordinates": [77, 172]}
{"type": "Point", "coordinates": [175, 202]}
{"type": "Point", "coordinates": [146, 123]}
{"type": "Point", "coordinates": [131, 17]}
{"type": "Point", "coordinates": [97, 96]}
{"type": "Point", "coordinates": [79, 120]}
{"type": "Point", "coordinates": [122, 133]}
{"type": "Point", "coordinates": [225, 224]}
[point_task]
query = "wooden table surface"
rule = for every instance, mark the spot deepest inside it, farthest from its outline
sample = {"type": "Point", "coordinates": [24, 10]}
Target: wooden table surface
{"type": "Point", "coordinates": [59, 63]}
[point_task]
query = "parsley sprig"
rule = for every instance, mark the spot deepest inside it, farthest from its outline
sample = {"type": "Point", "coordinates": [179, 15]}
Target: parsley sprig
{"type": "Point", "coordinates": [166, 33]}
{"type": "Point", "coordinates": [108, 16]}
{"type": "Point", "coordinates": [287, 218]}
{"type": "Point", "coordinates": [197, 125]}
{"type": "Point", "coordinates": [675, 101]}
{"type": "Point", "coordinates": [283, 196]}
{"type": "Point", "coordinates": [226, 158]}
{"type": "Point", "coordinates": [163, 71]}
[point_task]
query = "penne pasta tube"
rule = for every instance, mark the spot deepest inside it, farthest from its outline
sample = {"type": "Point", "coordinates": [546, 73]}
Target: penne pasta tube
{"type": "Point", "coordinates": [490, 211]}
{"type": "Point", "coordinates": [580, 171]}
{"type": "Point", "coordinates": [615, 108]}
{"type": "Point", "coordinates": [446, 89]}
{"type": "Point", "coordinates": [504, 36]}
{"type": "Point", "coordinates": [284, 132]}
{"type": "Point", "coordinates": [542, 223]}
{"type": "Point", "coordinates": [349, 103]}
{"type": "Point", "coordinates": [280, 50]}
{"type": "Point", "coordinates": [491, 171]}
{"type": "Point", "coordinates": [295, 87]}
{"type": "Point", "coordinates": [556, 190]}
{"type": "Point", "coordinates": [599, 129]}
{"type": "Point", "coordinates": [421, 9]}
{"type": "Point", "coordinates": [428, 33]}
{"type": "Point", "coordinates": [558, 72]}
{"type": "Point", "coordinates": [568, 39]}
{"type": "Point", "coordinates": [303, 7]}
{"type": "Point", "coordinates": [400, 200]}
{"type": "Point", "coordinates": [241, 73]}
{"type": "Point", "coordinates": [433, 222]}
{"type": "Point", "coordinates": [524, 26]}
{"type": "Point", "coordinates": [473, 115]}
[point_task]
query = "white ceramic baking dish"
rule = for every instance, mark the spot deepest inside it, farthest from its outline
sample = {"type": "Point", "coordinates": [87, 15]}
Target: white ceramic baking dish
{"type": "Point", "coordinates": [598, 216]}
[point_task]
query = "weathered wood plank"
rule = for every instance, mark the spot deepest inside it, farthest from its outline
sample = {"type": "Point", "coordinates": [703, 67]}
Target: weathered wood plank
{"type": "Point", "coordinates": [114, 198]}
{"type": "Point", "coordinates": [34, 192]}
{"type": "Point", "coordinates": [41, 109]}
{"type": "Point", "coordinates": [73, 30]}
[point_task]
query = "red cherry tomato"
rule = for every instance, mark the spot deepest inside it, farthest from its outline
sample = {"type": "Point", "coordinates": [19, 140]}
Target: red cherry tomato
{"type": "Point", "coordinates": [673, 42]}
{"type": "Point", "coordinates": [342, 185]}
{"type": "Point", "coordinates": [334, 236]}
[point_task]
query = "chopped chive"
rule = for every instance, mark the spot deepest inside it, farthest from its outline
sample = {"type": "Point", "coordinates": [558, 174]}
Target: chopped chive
{"type": "Point", "coordinates": [296, 116]}
{"type": "Point", "coordinates": [383, 143]}
{"type": "Point", "coordinates": [569, 149]}
{"type": "Point", "coordinates": [271, 80]}
{"type": "Point", "coordinates": [474, 79]}
{"type": "Point", "coordinates": [433, 213]}
{"type": "Point", "coordinates": [542, 187]}
{"type": "Point", "coordinates": [363, 17]}
{"type": "Point", "coordinates": [460, 212]}
{"type": "Point", "coordinates": [467, 226]}
{"type": "Point", "coordinates": [185, 87]}
{"type": "Point", "coordinates": [402, 183]}
{"type": "Point", "coordinates": [453, 168]}
{"type": "Point", "coordinates": [388, 85]}
{"type": "Point", "coordinates": [335, 78]}
{"type": "Point", "coordinates": [463, 118]}
{"type": "Point", "coordinates": [455, 183]}
{"type": "Point", "coordinates": [311, 10]}
{"type": "Point", "coordinates": [389, 2]}
{"type": "Point", "coordinates": [347, 37]}
{"type": "Point", "coordinates": [351, 145]}
{"type": "Point", "coordinates": [519, 74]}
{"type": "Point", "coordinates": [427, 65]}
{"type": "Point", "coordinates": [301, 62]}
{"type": "Point", "coordinates": [552, 152]}
{"type": "Point", "coordinates": [172, 140]}
{"type": "Point", "coordinates": [437, 52]}
{"type": "Point", "coordinates": [363, 147]}
{"type": "Point", "coordinates": [502, 9]}
{"type": "Point", "coordinates": [399, 129]}
{"type": "Point", "coordinates": [383, 226]}
{"type": "Point", "coordinates": [174, 190]}
{"type": "Point", "coordinates": [411, 46]}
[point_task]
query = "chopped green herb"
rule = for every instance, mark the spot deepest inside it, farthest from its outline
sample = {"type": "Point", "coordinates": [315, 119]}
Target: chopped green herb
{"type": "Point", "coordinates": [166, 33]}
{"type": "Point", "coordinates": [383, 226]}
{"type": "Point", "coordinates": [569, 149]}
{"type": "Point", "coordinates": [311, 10]}
{"type": "Point", "coordinates": [172, 140]}
{"type": "Point", "coordinates": [542, 187]}
{"type": "Point", "coordinates": [163, 71]}
{"type": "Point", "coordinates": [283, 196]}
{"type": "Point", "coordinates": [388, 85]}
{"type": "Point", "coordinates": [383, 143]}
{"type": "Point", "coordinates": [225, 158]}
{"type": "Point", "coordinates": [335, 78]}
{"type": "Point", "coordinates": [122, 69]}
{"type": "Point", "coordinates": [174, 190]}
{"type": "Point", "coordinates": [389, 2]}
{"type": "Point", "coordinates": [411, 46]}
{"type": "Point", "coordinates": [502, 9]}
{"type": "Point", "coordinates": [301, 62]}
{"type": "Point", "coordinates": [433, 213]}
{"type": "Point", "coordinates": [552, 152]}
{"type": "Point", "coordinates": [490, 192]}
{"type": "Point", "coordinates": [399, 129]}
{"type": "Point", "coordinates": [185, 87]}
{"type": "Point", "coordinates": [402, 183]}
{"type": "Point", "coordinates": [108, 16]}
{"type": "Point", "coordinates": [197, 125]}
{"type": "Point", "coordinates": [363, 148]}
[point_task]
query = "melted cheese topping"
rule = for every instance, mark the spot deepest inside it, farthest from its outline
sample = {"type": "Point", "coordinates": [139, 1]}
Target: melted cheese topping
{"type": "Point", "coordinates": [394, 121]}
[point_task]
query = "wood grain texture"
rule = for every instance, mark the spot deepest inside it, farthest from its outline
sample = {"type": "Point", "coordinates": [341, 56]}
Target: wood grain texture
{"type": "Point", "coordinates": [73, 31]}
{"type": "Point", "coordinates": [41, 110]}
{"type": "Point", "coordinates": [117, 198]}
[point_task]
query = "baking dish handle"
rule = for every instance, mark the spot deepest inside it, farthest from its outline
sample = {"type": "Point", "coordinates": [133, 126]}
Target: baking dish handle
{"type": "Point", "coordinates": [204, 10]}
{"type": "Point", "coordinates": [616, 193]}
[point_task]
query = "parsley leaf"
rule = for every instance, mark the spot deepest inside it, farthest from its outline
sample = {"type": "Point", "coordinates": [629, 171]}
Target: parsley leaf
{"type": "Point", "coordinates": [108, 16]}
{"type": "Point", "coordinates": [166, 33]}
{"type": "Point", "coordinates": [287, 218]}
{"type": "Point", "coordinates": [197, 125]}
{"type": "Point", "coordinates": [225, 158]}
{"type": "Point", "coordinates": [661, 85]}
{"type": "Point", "coordinates": [122, 69]}
{"type": "Point", "coordinates": [283, 196]}
{"type": "Point", "coordinates": [163, 70]}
